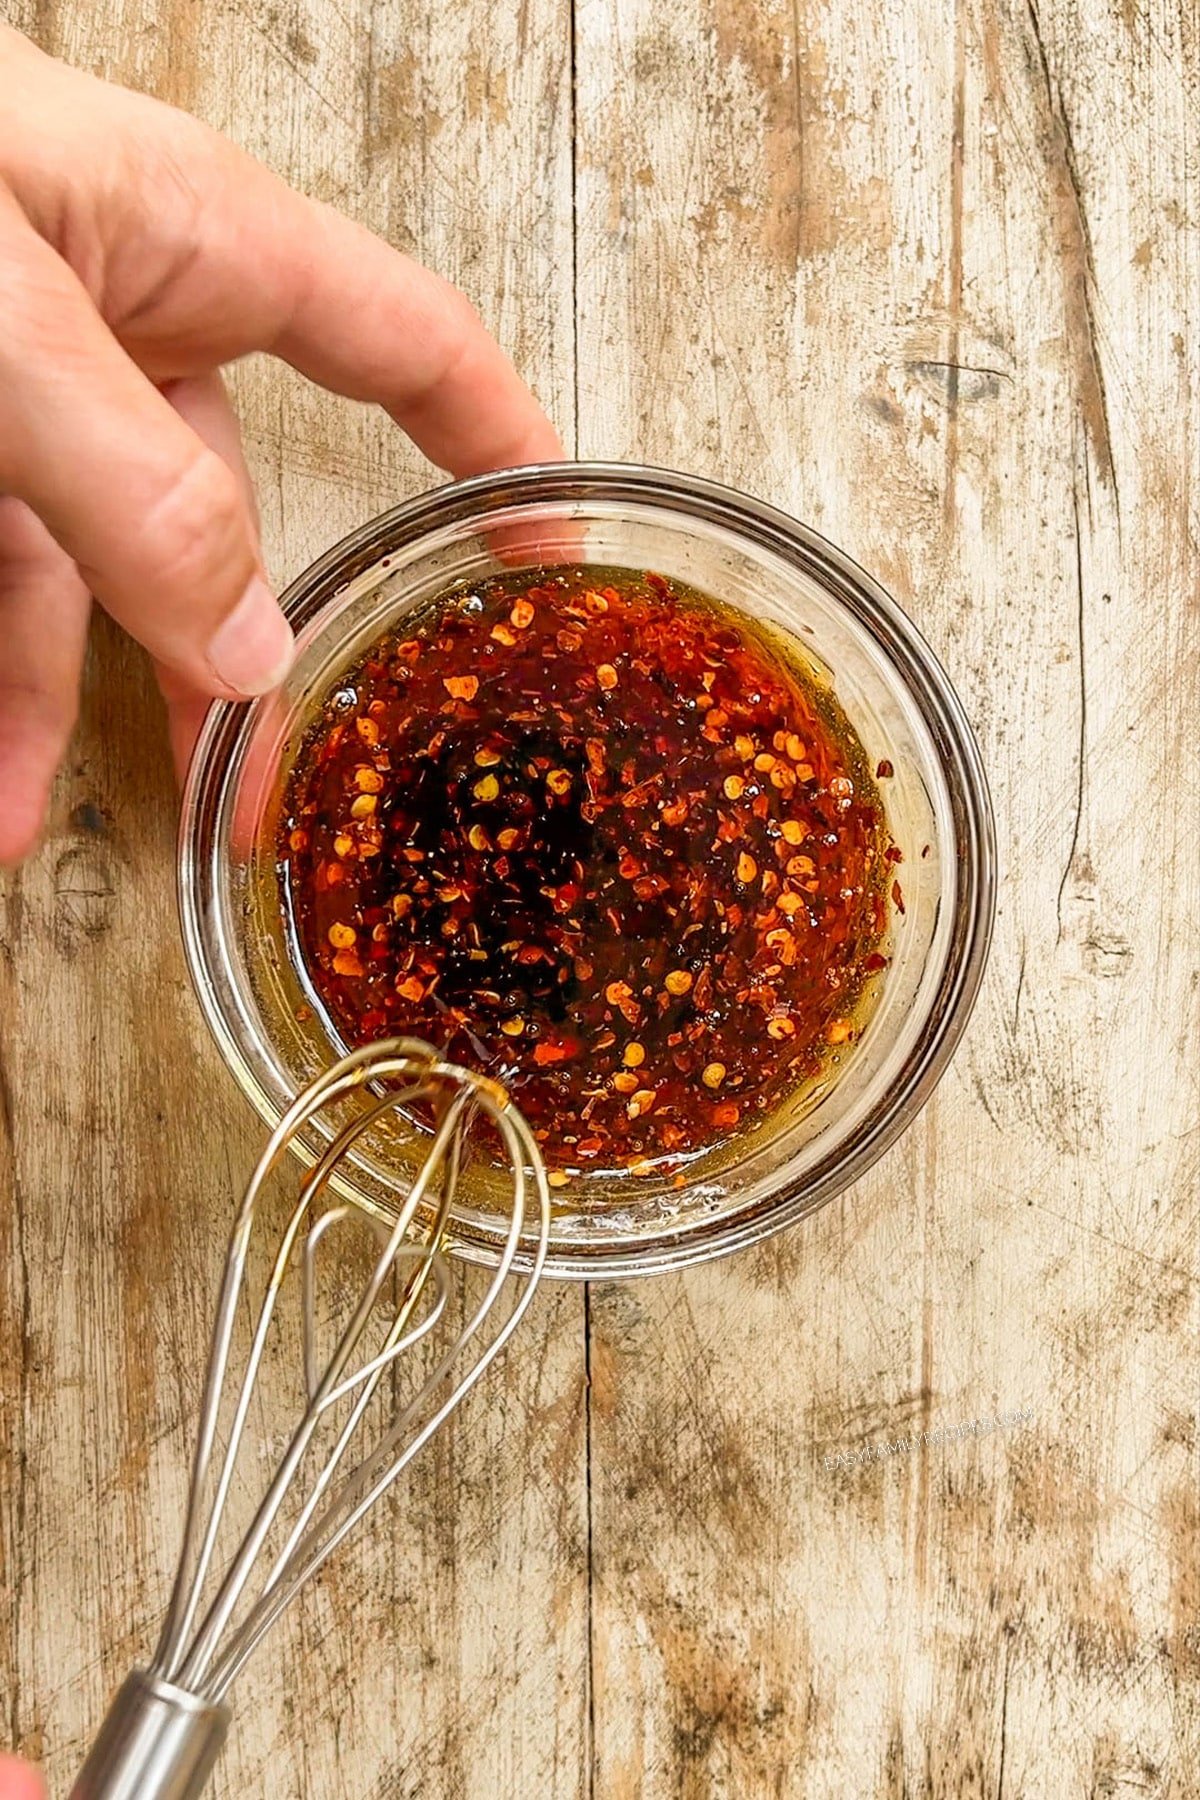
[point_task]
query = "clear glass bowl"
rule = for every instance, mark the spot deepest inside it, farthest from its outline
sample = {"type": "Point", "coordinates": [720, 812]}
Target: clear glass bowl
{"type": "Point", "coordinates": [754, 559]}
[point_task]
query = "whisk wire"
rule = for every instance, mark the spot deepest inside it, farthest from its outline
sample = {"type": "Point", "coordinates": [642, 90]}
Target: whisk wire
{"type": "Point", "coordinates": [406, 1253]}
{"type": "Point", "coordinates": [163, 1732]}
{"type": "Point", "coordinates": [193, 1671]}
{"type": "Point", "coordinates": [428, 1262]}
{"type": "Point", "coordinates": [422, 1076]}
{"type": "Point", "coordinates": [361, 1488]}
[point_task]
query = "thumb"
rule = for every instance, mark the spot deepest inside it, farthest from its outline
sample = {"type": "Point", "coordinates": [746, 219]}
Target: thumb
{"type": "Point", "coordinates": [19, 1780]}
{"type": "Point", "coordinates": [154, 519]}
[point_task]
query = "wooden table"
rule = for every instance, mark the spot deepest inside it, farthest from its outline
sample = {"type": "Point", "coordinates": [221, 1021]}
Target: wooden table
{"type": "Point", "coordinates": [927, 275]}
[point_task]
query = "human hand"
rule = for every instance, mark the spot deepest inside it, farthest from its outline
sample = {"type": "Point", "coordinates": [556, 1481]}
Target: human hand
{"type": "Point", "coordinates": [19, 1781]}
{"type": "Point", "coordinates": [138, 252]}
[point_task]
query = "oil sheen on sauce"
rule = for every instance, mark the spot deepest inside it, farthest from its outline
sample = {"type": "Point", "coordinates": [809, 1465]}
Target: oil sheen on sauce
{"type": "Point", "coordinates": [593, 834]}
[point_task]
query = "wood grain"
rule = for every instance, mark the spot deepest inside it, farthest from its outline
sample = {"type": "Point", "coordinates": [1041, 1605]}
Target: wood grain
{"type": "Point", "coordinates": [417, 1664]}
{"type": "Point", "coordinates": [922, 275]}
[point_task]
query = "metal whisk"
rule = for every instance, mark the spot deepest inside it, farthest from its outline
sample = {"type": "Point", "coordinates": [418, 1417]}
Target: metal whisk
{"type": "Point", "coordinates": [168, 1722]}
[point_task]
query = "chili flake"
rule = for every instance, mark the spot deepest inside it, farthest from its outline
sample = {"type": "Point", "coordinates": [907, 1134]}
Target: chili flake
{"type": "Point", "coordinates": [586, 882]}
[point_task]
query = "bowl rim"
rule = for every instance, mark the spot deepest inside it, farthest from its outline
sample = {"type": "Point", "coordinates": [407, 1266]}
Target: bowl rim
{"type": "Point", "coordinates": [913, 662]}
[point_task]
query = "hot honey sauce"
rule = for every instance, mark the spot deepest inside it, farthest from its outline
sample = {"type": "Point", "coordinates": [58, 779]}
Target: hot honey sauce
{"type": "Point", "coordinates": [592, 835]}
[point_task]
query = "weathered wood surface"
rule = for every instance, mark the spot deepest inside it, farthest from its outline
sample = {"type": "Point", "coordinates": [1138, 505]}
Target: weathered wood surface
{"type": "Point", "coordinates": [922, 274]}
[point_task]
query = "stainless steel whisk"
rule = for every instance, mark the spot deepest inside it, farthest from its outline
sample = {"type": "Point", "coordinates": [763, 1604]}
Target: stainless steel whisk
{"type": "Point", "coordinates": [168, 1722]}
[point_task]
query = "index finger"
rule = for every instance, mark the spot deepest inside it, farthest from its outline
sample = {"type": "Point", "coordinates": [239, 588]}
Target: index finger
{"type": "Point", "coordinates": [415, 344]}
{"type": "Point", "coordinates": [289, 275]}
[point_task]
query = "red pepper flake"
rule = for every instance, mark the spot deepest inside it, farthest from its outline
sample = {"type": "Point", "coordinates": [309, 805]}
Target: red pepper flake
{"type": "Point", "coordinates": [627, 876]}
{"type": "Point", "coordinates": [897, 897]}
{"type": "Point", "coordinates": [884, 769]}
{"type": "Point", "coordinates": [649, 887]}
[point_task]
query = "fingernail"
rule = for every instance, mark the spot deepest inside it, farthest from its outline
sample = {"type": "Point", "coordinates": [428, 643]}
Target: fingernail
{"type": "Point", "coordinates": [253, 648]}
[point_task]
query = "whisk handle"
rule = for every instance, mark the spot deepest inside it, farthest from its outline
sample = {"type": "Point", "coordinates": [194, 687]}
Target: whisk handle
{"type": "Point", "coordinates": [158, 1742]}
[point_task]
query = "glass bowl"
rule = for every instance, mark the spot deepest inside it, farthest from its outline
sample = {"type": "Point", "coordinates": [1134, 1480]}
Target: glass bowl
{"type": "Point", "coordinates": [837, 620]}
